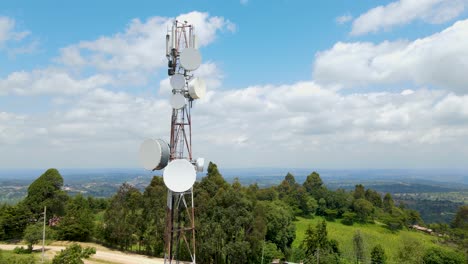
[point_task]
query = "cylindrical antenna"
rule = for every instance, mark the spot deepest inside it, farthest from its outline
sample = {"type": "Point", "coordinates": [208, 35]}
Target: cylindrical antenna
{"type": "Point", "coordinates": [168, 49]}
{"type": "Point", "coordinates": [174, 35]}
{"type": "Point", "coordinates": [191, 37]}
{"type": "Point", "coordinates": [195, 41]}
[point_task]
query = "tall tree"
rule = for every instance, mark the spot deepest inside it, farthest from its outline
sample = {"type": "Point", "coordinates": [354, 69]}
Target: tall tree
{"type": "Point", "coordinates": [358, 245]}
{"type": "Point", "coordinates": [154, 215]}
{"type": "Point", "coordinates": [373, 197]}
{"type": "Point", "coordinates": [123, 217]}
{"type": "Point", "coordinates": [77, 224]}
{"type": "Point", "coordinates": [47, 191]}
{"type": "Point", "coordinates": [13, 220]}
{"type": "Point", "coordinates": [359, 192]}
{"type": "Point", "coordinates": [317, 246]}
{"type": "Point", "coordinates": [461, 218]}
{"type": "Point", "coordinates": [388, 203]}
{"type": "Point", "coordinates": [280, 226]}
{"type": "Point", "coordinates": [314, 186]}
{"type": "Point", "coordinates": [363, 209]}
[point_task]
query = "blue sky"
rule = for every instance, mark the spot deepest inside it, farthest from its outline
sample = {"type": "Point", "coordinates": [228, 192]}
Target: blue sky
{"type": "Point", "coordinates": [329, 84]}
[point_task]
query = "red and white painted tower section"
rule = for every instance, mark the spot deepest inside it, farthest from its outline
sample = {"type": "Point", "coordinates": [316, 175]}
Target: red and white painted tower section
{"type": "Point", "coordinates": [176, 158]}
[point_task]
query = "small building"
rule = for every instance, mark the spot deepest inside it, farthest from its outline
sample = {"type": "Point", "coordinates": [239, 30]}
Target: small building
{"type": "Point", "coordinates": [422, 228]}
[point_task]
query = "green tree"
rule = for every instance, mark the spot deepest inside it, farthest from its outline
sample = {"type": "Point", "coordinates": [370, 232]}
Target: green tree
{"type": "Point", "coordinates": [77, 224]}
{"type": "Point", "coordinates": [358, 245]}
{"type": "Point", "coordinates": [73, 254]}
{"type": "Point", "coordinates": [410, 251]}
{"type": "Point", "coordinates": [461, 218]}
{"type": "Point", "coordinates": [322, 207]}
{"type": "Point", "coordinates": [293, 194]}
{"type": "Point", "coordinates": [359, 192]}
{"type": "Point", "coordinates": [388, 203]}
{"type": "Point", "coordinates": [307, 204]}
{"type": "Point", "coordinates": [440, 256]}
{"type": "Point", "coordinates": [47, 191]}
{"type": "Point", "coordinates": [267, 194]}
{"type": "Point", "coordinates": [314, 185]}
{"type": "Point", "coordinates": [154, 215]}
{"type": "Point", "coordinates": [317, 247]}
{"type": "Point", "coordinates": [288, 186]}
{"type": "Point", "coordinates": [348, 218]}
{"type": "Point", "coordinates": [373, 197]}
{"type": "Point", "coordinates": [363, 209]}
{"type": "Point", "coordinates": [339, 200]}
{"type": "Point", "coordinates": [280, 226]}
{"type": "Point", "coordinates": [378, 255]}
{"type": "Point", "coordinates": [271, 252]}
{"type": "Point", "coordinates": [13, 220]}
{"type": "Point", "coordinates": [230, 226]}
{"type": "Point", "coordinates": [32, 235]}
{"type": "Point", "coordinates": [123, 217]}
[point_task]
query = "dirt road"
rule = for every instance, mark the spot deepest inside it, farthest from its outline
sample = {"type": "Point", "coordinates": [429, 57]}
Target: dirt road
{"type": "Point", "coordinates": [102, 254]}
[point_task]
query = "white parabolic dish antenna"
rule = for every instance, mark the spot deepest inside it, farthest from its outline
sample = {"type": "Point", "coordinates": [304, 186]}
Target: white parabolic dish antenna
{"type": "Point", "coordinates": [177, 81]}
{"type": "Point", "coordinates": [190, 59]}
{"type": "Point", "coordinates": [177, 101]}
{"type": "Point", "coordinates": [197, 88]}
{"type": "Point", "coordinates": [179, 175]}
{"type": "Point", "coordinates": [154, 154]}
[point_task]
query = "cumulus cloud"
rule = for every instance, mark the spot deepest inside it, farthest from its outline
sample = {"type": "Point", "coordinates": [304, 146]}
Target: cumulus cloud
{"type": "Point", "coordinates": [288, 125]}
{"type": "Point", "coordinates": [49, 81]}
{"type": "Point", "coordinates": [10, 128]}
{"type": "Point", "coordinates": [438, 60]}
{"type": "Point", "coordinates": [141, 47]}
{"type": "Point", "coordinates": [405, 11]}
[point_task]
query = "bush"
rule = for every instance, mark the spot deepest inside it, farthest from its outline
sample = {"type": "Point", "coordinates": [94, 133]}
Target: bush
{"type": "Point", "coordinates": [348, 218]}
{"type": "Point", "coordinates": [73, 254]}
{"type": "Point", "coordinates": [378, 255]}
{"type": "Point", "coordinates": [22, 250]}
{"type": "Point", "coordinates": [439, 256]}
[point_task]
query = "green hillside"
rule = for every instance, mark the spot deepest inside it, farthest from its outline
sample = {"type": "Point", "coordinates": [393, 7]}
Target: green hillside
{"type": "Point", "coordinates": [372, 234]}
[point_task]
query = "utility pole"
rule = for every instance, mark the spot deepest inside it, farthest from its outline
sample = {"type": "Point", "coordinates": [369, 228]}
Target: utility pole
{"type": "Point", "coordinates": [43, 233]}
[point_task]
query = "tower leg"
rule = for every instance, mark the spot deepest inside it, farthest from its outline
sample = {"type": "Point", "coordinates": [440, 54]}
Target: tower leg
{"type": "Point", "coordinates": [180, 227]}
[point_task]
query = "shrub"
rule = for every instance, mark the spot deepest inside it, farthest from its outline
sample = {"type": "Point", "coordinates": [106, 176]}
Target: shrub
{"type": "Point", "coordinates": [73, 254]}
{"type": "Point", "coordinates": [22, 250]}
{"type": "Point", "coordinates": [438, 256]}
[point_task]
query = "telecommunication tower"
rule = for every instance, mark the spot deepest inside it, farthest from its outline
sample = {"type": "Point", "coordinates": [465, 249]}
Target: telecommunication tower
{"type": "Point", "coordinates": [176, 157]}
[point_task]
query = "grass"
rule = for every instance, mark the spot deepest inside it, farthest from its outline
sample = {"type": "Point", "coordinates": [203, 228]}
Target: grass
{"type": "Point", "coordinates": [372, 234]}
{"type": "Point", "coordinates": [8, 255]}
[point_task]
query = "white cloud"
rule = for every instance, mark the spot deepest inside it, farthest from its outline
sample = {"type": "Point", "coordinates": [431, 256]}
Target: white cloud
{"type": "Point", "coordinates": [11, 125]}
{"type": "Point", "coordinates": [141, 47]}
{"type": "Point", "coordinates": [405, 11]}
{"type": "Point", "coordinates": [244, 2]}
{"type": "Point", "coordinates": [50, 81]}
{"type": "Point", "coordinates": [7, 31]}
{"type": "Point", "coordinates": [438, 60]}
{"type": "Point", "coordinates": [344, 19]}
{"type": "Point", "coordinates": [12, 40]}
{"type": "Point", "coordinates": [288, 125]}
